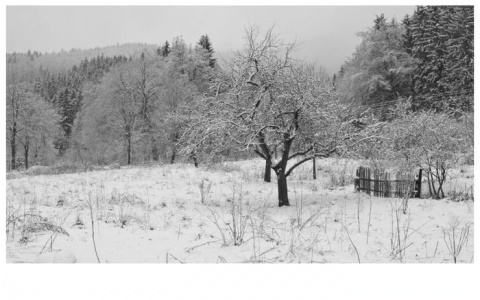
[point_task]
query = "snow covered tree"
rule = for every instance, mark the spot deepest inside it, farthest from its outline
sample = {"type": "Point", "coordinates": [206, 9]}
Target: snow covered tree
{"type": "Point", "coordinates": [30, 121]}
{"type": "Point", "coordinates": [176, 94]}
{"type": "Point", "coordinates": [206, 45]}
{"type": "Point", "coordinates": [380, 69]}
{"type": "Point", "coordinates": [407, 35]}
{"type": "Point", "coordinates": [125, 102]}
{"type": "Point", "coordinates": [265, 101]}
{"type": "Point", "coordinates": [422, 139]}
{"type": "Point", "coordinates": [164, 50]}
{"type": "Point", "coordinates": [16, 95]}
{"type": "Point", "coordinates": [39, 124]}
{"type": "Point", "coordinates": [443, 38]}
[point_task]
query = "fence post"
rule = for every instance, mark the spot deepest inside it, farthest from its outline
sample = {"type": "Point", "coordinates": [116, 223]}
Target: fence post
{"type": "Point", "coordinates": [388, 185]}
{"type": "Point", "coordinates": [369, 176]}
{"type": "Point", "coordinates": [357, 180]}
{"type": "Point", "coordinates": [418, 185]}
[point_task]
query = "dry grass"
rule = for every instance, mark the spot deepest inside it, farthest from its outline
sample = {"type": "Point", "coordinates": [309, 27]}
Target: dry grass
{"type": "Point", "coordinates": [239, 212]}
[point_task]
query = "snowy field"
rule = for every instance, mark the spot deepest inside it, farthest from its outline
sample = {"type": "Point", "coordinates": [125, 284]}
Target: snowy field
{"type": "Point", "coordinates": [227, 214]}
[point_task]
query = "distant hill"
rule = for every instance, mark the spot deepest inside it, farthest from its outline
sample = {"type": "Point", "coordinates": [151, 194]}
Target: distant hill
{"type": "Point", "coordinates": [26, 66]}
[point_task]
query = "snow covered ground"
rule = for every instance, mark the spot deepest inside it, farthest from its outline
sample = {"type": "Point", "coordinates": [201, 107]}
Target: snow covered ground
{"type": "Point", "coordinates": [227, 214]}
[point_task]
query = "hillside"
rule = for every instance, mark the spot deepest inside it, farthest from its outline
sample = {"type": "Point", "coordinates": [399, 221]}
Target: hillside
{"type": "Point", "coordinates": [28, 64]}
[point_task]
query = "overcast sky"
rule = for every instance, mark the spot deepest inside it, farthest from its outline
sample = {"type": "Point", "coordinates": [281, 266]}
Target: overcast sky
{"type": "Point", "coordinates": [325, 34]}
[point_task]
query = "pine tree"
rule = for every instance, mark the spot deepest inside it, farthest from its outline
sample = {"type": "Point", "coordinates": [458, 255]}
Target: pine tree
{"type": "Point", "coordinates": [379, 22]}
{"type": "Point", "coordinates": [442, 38]}
{"type": "Point", "coordinates": [380, 70]}
{"type": "Point", "coordinates": [459, 57]}
{"type": "Point", "coordinates": [164, 50]}
{"type": "Point", "coordinates": [407, 36]}
{"type": "Point", "coordinates": [64, 91]}
{"type": "Point", "coordinates": [205, 44]}
{"type": "Point", "coordinates": [341, 72]}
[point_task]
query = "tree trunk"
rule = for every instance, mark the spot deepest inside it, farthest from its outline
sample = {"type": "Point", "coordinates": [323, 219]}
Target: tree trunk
{"type": "Point", "coordinates": [195, 161]}
{"type": "Point", "coordinates": [13, 146]}
{"type": "Point", "coordinates": [435, 194]}
{"type": "Point", "coordinates": [44, 146]}
{"type": "Point", "coordinates": [418, 185]}
{"type": "Point", "coordinates": [174, 150]}
{"type": "Point", "coordinates": [193, 155]}
{"type": "Point", "coordinates": [172, 157]}
{"type": "Point", "coordinates": [265, 153]}
{"type": "Point", "coordinates": [441, 179]}
{"type": "Point", "coordinates": [26, 148]}
{"type": "Point", "coordinates": [429, 185]}
{"type": "Point", "coordinates": [13, 153]}
{"type": "Point", "coordinates": [280, 170]}
{"type": "Point", "coordinates": [129, 150]}
{"type": "Point", "coordinates": [314, 168]}
{"type": "Point", "coordinates": [282, 189]}
{"type": "Point", "coordinates": [154, 150]}
{"type": "Point", "coordinates": [268, 170]}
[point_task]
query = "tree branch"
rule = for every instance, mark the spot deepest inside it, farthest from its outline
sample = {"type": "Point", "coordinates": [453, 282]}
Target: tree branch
{"type": "Point", "coordinates": [260, 154]}
{"type": "Point", "coordinates": [300, 153]}
{"type": "Point", "coordinates": [298, 164]}
{"type": "Point", "coordinates": [309, 158]}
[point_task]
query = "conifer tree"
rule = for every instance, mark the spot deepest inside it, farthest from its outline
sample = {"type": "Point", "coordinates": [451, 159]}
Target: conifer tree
{"type": "Point", "coordinates": [205, 44]}
{"type": "Point", "coordinates": [164, 50]}
{"type": "Point", "coordinates": [442, 38]}
{"type": "Point", "coordinates": [380, 70]}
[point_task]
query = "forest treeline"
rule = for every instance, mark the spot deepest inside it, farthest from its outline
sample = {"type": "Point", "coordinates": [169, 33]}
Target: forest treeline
{"type": "Point", "coordinates": [103, 109]}
{"type": "Point", "coordinates": [177, 99]}
{"type": "Point", "coordinates": [427, 56]}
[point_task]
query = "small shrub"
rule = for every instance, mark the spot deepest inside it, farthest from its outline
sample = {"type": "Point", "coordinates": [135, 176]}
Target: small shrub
{"type": "Point", "coordinates": [180, 204]}
{"type": "Point", "coordinates": [186, 218]}
{"type": "Point", "coordinates": [15, 174]}
{"type": "Point", "coordinates": [454, 243]}
{"type": "Point", "coordinates": [79, 221]}
{"type": "Point", "coordinates": [66, 168]}
{"type": "Point", "coordinates": [40, 170]}
{"type": "Point", "coordinates": [226, 167]}
{"type": "Point", "coordinates": [338, 179]}
{"type": "Point", "coordinates": [400, 231]}
{"type": "Point", "coordinates": [95, 168]}
{"type": "Point", "coordinates": [205, 185]}
{"type": "Point", "coordinates": [44, 226]}
{"type": "Point", "coordinates": [461, 195]}
{"type": "Point", "coordinates": [234, 229]}
{"type": "Point", "coordinates": [162, 204]}
{"type": "Point", "coordinates": [115, 166]}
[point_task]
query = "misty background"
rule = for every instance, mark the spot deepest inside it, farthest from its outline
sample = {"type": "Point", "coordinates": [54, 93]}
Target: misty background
{"type": "Point", "coordinates": [325, 35]}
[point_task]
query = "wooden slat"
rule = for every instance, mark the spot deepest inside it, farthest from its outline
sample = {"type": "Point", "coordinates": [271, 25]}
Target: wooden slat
{"type": "Point", "coordinates": [382, 184]}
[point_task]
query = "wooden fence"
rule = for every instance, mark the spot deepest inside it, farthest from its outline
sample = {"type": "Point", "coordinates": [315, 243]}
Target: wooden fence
{"type": "Point", "coordinates": [382, 184]}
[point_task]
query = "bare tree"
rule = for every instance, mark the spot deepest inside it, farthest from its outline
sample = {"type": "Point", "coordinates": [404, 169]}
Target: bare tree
{"type": "Point", "coordinates": [39, 122]}
{"type": "Point", "coordinates": [15, 94]}
{"type": "Point", "coordinates": [125, 102]}
{"type": "Point", "coordinates": [416, 140]}
{"type": "Point", "coordinates": [30, 120]}
{"type": "Point", "coordinates": [176, 93]}
{"type": "Point", "coordinates": [119, 107]}
{"type": "Point", "coordinates": [147, 84]}
{"type": "Point", "coordinates": [186, 75]}
{"type": "Point", "coordinates": [266, 101]}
